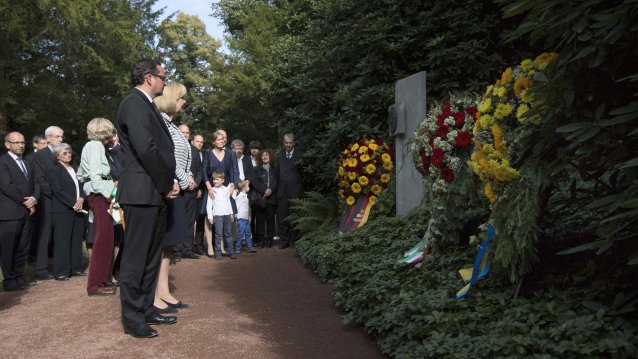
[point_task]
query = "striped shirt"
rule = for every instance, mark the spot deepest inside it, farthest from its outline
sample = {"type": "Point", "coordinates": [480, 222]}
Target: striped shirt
{"type": "Point", "coordinates": [182, 153]}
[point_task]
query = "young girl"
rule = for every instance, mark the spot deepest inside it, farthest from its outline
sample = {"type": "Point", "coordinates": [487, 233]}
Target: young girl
{"type": "Point", "coordinates": [243, 217]}
{"type": "Point", "coordinates": [220, 212]}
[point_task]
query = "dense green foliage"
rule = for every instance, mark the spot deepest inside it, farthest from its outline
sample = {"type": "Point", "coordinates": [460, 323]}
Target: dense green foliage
{"type": "Point", "coordinates": [329, 70]}
{"type": "Point", "coordinates": [412, 313]}
{"type": "Point", "coordinates": [65, 62]}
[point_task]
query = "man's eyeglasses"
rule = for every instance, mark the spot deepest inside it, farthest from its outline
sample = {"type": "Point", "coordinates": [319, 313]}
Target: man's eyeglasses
{"type": "Point", "coordinates": [16, 142]}
{"type": "Point", "coordinates": [161, 77]}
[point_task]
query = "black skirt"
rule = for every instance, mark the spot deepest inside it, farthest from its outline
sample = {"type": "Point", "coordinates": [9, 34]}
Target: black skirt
{"type": "Point", "coordinates": [176, 223]}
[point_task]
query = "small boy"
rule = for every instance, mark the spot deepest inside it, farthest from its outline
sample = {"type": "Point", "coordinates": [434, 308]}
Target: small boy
{"type": "Point", "coordinates": [220, 212]}
{"type": "Point", "coordinates": [243, 217]}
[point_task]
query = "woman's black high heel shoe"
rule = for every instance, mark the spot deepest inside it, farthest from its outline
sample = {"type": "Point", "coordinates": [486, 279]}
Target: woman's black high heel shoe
{"type": "Point", "coordinates": [178, 305]}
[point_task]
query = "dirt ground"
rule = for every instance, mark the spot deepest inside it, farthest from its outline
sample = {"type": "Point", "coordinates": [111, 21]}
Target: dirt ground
{"type": "Point", "coordinates": [263, 305]}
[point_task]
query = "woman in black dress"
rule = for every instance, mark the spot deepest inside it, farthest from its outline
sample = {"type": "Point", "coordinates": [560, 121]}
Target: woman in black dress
{"type": "Point", "coordinates": [265, 184]}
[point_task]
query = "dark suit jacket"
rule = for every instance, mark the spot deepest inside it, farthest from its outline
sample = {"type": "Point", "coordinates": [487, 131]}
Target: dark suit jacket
{"type": "Point", "coordinates": [63, 190]}
{"type": "Point", "coordinates": [42, 161]}
{"type": "Point", "coordinates": [115, 156]}
{"type": "Point", "coordinates": [248, 167]}
{"type": "Point", "coordinates": [14, 187]}
{"type": "Point", "coordinates": [149, 162]}
{"type": "Point", "coordinates": [196, 166]}
{"type": "Point", "coordinates": [260, 182]}
{"type": "Point", "coordinates": [289, 185]}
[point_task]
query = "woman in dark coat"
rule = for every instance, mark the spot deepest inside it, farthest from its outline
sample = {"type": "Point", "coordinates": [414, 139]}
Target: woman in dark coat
{"type": "Point", "coordinates": [265, 184]}
{"type": "Point", "coordinates": [66, 214]}
{"type": "Point", "coordinates": [223, 159]}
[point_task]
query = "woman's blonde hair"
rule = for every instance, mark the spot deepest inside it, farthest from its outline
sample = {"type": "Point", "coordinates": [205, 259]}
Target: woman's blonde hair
{"type": "Point", "coordinates": [100, 129]}
{"type": "Point", "coordinates": [167, 102]}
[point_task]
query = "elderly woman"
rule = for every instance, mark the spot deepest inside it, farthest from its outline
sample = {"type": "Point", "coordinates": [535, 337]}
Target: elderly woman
{"type": "Point", "coordinates": [265, 177]}
{"type": "Point", "coordinates": [99, 187]}
{"type": "Point", "coordinates": [170, 103]}
{"type": "Point", "coordinates": [66, 214]}
{"type": "Point", "coordinates": [222, 159]}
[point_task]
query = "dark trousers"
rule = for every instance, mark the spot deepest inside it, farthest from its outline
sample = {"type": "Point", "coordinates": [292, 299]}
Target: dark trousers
{"type": "Point", "coordinates": [265, 223]}
{"type": "Point", "coordinates": [43, 211]}
{"type": "Point", "coordinates": [103, 238]}
{"type": "Point", "coordinates": [145, 227]}
{"type": "Point", "coordinates": [284, 228]}
{"type": "Point", "coordinates": [68, 230]}
{"type": "Point", "coordinates": [190, 203]}
{"type": "Point", "coordinates": [14, 249]}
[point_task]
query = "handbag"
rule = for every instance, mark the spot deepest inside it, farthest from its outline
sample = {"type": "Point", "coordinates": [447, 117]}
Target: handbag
{"type": "Point", "coordinates": [256, 200]}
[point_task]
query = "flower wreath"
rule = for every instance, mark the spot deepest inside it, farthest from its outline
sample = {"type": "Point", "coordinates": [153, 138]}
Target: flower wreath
{"type": "Point", "coordinates": [442, 138]}
{"type": "Point", "coordinates": [505, 106]}
{"type": "Point", "coordinates": [366, 168]}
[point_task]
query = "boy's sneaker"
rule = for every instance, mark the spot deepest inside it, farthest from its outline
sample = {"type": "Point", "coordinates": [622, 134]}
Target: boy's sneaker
{"type": "Point", "coordinates": [251, 250]}
{"type": "Point", "coordinates": [218, 256]}
{"type": "Point", "coordinates": [233, 256]}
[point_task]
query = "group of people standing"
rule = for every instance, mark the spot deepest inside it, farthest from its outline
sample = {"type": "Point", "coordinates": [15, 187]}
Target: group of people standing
{"type": "Point", "coordinates": [167, 197]}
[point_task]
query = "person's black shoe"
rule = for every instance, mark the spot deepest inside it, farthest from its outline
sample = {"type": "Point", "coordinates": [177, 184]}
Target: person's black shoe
{"type": "Point", "coordinates": [141, 331]}
{"type": "Point", "coordinates": [172, 262]}
{"type": "Point", "coordinates": [61, 277]}
{"type": "Point", "coordinates": [198, 251]}
{"type": "Point", "coordinates": [78, 274]}
{"type": "Point", "coordinates": [14, 287]}
{"type": "Point", "coordinates": [190, 256]}
{"type": "Point", "coordinates": [158, 319]}
{"type": "Point", "coordinates": [26, 284]}
{"type": "Point", "coordinates": [233, 255]}
{"type": "Point", "coordinates": [284, 244]}
{"type": "Point", "coordinates": [167, 310]}
{"type": "Point", "coordinates": [46, 276]}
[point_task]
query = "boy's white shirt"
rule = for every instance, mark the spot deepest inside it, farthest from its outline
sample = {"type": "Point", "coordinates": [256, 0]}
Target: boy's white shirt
{"type": "Point", "coordinates": [220, 205]}
{"type": "Point", "coordinates": [243, 206]}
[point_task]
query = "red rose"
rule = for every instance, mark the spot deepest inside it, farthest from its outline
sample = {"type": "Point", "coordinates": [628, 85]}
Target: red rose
{"type": "Point", "coordinates": [379, 142]}
{"type": "Point", "coordinates": [437, 156]}
{"type": "Point", "coordinates": [463, 139]}
{"type": "Point", "coordinates": [472, 111]}
{"type": "Point", "coordinates": [459, 118]}
{"type": "Point", "coordinates": [384, 185]}
{"type": "Point", "coordinates": [442, 131]}
{"type": "Point", "coordinates": [426, 164]}
{"type": "Point", "coordinates": [447, 174]}
{"type": "Point", "coordinates": [361, 172]}
{"type": "Point", "coordinates": [370, 152]}
{"type": "Point", "coordinates": [391, 152]}
{"type": "Point", "coordinates": [377, 175]}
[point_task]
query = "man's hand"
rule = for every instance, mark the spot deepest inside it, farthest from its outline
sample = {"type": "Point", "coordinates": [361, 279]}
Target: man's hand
{"type": "Point", "coordinates": [211, 192]}
{"type": "Point", "coordinates": [191, 183]}
{"type": "Point", "coordinates": [77, 207]}
{"type": "Point", "coordinates": [31, 211]}
{"type": "Point", "coordinates": [174, 192]}
{"type": "Point", "coordinates": [29, 202]}
{"type": "Point", "coordinates": [199, 193]}
{"type": "Point", "coordinates": [267, 192]}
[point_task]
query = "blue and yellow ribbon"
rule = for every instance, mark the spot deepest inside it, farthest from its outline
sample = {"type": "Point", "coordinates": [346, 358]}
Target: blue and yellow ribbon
{"type": "Point", "coordinates": [481, 265]}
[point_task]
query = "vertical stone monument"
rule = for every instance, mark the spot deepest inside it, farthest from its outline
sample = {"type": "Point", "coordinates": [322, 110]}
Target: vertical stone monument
{"type": "Point", "coordinates": [407, 112]}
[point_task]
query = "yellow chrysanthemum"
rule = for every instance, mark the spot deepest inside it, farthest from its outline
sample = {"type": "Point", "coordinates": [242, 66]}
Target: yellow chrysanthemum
{"type": "Point", "coordinates": [499, 143]}
{"type": "Point", "coordinates": [388, 166]}
{"type": "Point", "coordinates": [354, 147]}
{"type": "Point", "coordinates": [370, 169]}
{"type": "Point", "coordinates": [520, 113]}
{"type": "Point", "coordinates": [502, 170]}
{"type": "Point", "coordinates": [372, 200]}
{"type": "Point", "coordinates": [500, 92]}
{"type": "Point", "coordinates": [485, 105]}
{"type": "Point", "coordinates": [355, 187]}
{"type": "Point", "coordinates": [363, 181]}
{"type": "Point", "coordinates": [502, 110]}
{"type": "Point", "coordinates": [364, 158]}
{"type": "Point", "coordinates": [506, 77]}
{"type": "Point", "coordinates": [376, 189]}
{"type": "Point", "coordinates": [521, 84]}
{"type": "Point", "coordinates": [363, 149]}
{"type": "Point", "coordinates": [385, 178]}
{"type": "Point", "coordinates": [544, 59]}
{"type": "Point", "coordinates": [527, 64]}
{"type": "Point", "coordinates": [386, 157]}
{"type": "Point", "coordinates": [485, 121]}
{"type": "Point", "coordinates": [350, 201]}
{"type": "Point", "coordinates": [353, 162]}
{"type": "Point", "coordinates": [373, 146]}
{"type": "Point", "coordinates": [488, 92]}
{"type": "Point", "coordinates": [352, 176]}
{"type": "Point", "coordinates": [341, 171]}
{"type": "Point", "coordinates": [488, 148]}
{"type": "Point", "coordinates": [489, 193]}
{"type": "Point", "coordinates": [526, 96]}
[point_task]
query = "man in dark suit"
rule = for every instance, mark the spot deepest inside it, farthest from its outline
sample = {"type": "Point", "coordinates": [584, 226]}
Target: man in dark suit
{"type": "Point", "coordinates": [145, 185]}
{"type": "Point", "coordinates": [43, 162]}
{"type": "Point", "coordinates": [18, 197]}
{"type": "Point", "coordinates": [186, 249]}
{"type": "Point", "coordinates": [289, 187]}
{"type": "Point", "coordinates": [200, 216]}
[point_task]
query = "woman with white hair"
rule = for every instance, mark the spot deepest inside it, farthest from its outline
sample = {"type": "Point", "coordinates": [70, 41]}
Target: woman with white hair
{"type": "Point", "coordinates": [95, 172]}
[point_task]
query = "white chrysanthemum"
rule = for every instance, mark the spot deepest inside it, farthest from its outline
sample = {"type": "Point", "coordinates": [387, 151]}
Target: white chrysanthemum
{"type": "Point", "coordinates": [449, 121]}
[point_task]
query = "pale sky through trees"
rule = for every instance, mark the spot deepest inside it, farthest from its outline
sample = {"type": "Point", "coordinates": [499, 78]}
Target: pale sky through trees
{"type": "Point", "coordinates": [201, 8]}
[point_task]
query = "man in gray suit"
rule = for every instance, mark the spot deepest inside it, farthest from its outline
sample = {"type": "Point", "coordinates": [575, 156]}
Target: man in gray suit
{"type": "Point", "coordinates": [289, 187]}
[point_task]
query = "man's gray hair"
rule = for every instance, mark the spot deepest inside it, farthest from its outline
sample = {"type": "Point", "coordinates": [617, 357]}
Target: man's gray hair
{"type": "Point", "coordinates": [50, 130]}
{"type": "Point", "coordinates": [236, 143]}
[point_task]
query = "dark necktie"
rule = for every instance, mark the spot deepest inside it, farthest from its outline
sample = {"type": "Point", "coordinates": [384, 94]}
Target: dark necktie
{"type": "Point", "coordinates": [22, 167]}
{"type": "Point", "coordinates": [288, 155]}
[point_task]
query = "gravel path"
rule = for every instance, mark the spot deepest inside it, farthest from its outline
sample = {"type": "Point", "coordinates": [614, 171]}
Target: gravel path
{"type": "Point", "coordinates": [263, 305]}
